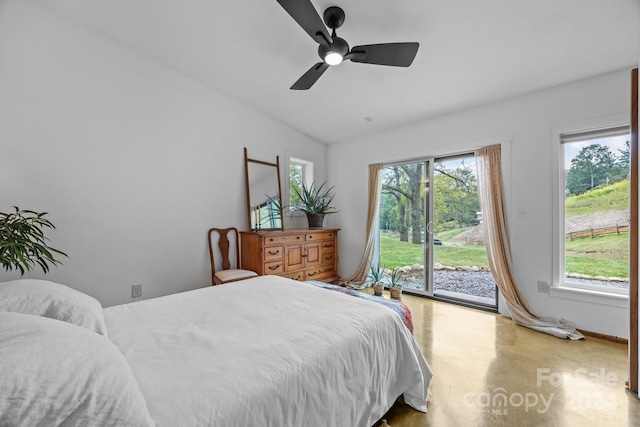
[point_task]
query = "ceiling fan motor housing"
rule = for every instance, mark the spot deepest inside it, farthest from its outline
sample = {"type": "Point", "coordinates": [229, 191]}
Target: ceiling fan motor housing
{"type": "Point", "coordinates": [339, 46]}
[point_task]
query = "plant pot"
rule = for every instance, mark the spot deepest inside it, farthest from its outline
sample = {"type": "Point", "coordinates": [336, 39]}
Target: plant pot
{"type": "Point", "coordinates": [377, 289]}
{"type": "Point", "coordinates": [396, 292]}
{"type": "Point", "coordinates": [315, 220]}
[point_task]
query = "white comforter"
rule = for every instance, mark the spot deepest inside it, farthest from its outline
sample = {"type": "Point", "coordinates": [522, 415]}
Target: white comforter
{"type": "Point", "coordinates": [268, 352]}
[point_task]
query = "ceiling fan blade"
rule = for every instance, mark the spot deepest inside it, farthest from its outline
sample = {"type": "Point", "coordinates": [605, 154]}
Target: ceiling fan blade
{"type": "Point", "coordinates": [303, 12]}
{"type": "Point", "coordinates": [394, 54]}
{"type": "Point", "coordinates": [310, 77]}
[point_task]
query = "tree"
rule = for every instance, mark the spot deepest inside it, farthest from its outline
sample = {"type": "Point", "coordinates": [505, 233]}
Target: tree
{"type": "Point", "coordinates": [295, 183]}
{"type": "Point", "coordinates": [623, 163]}
{"type": "Point", "coordinates": [404, 183]}
{"type": "Point", "coordinates": [414, 195]}
{"type": "Point", "coordinates": [388, 212]}
{"type": "Point", "coordinates": [394, 180]}
{"type": "Point", "coordinates": [593, 166]}
{"type": "Point", "coordinates": [455, 195]}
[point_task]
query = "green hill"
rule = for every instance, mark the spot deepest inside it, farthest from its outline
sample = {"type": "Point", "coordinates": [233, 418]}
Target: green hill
{"type": "Point", "coordinates": [611, 197]}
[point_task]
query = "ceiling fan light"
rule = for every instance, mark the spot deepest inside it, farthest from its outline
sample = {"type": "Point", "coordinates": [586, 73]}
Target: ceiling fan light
{"type": "Point", "coordinates": [333, 58]}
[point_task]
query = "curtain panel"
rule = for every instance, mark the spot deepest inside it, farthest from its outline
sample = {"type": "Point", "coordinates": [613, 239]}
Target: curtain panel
{"type": "Point", "coordinates": [360, 276]}
{"type": "Point", "coordinates": [490, 181]}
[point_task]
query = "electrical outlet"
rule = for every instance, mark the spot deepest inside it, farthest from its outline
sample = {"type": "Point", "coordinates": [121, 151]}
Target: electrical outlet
{"type": "Point", "coordinates": [136, 291]}
{"type": "Point", "coordinates": [543, 287]}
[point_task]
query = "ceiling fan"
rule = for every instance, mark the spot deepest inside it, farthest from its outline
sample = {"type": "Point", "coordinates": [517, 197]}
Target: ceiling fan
{"type": "Point", "coordinates": [333, 49]}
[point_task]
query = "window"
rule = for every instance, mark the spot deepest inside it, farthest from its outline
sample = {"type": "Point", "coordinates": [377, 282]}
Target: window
{"type": "Point", "coordinates": [299, 171]}
{"type": "Point", "coordinates": [593, 229]}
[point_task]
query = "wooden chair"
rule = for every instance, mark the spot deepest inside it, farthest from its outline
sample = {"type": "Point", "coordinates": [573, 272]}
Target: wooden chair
{"type": "Point", "coordinates": [227, 274]}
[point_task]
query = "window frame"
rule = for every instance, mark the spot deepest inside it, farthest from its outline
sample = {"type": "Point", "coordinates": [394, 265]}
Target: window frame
{"type": "Point", "coordinates": [307, 172]}
{"type": "Point", "coordinates": [561, 287]}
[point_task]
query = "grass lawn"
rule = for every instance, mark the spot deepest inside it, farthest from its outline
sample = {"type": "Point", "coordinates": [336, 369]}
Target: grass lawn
{"type": "Point", "coordinates": [394, 253]}
{"type": "Point", "coordinates": [603, 255]}
{"type": "Point", "coordinates": [448, 234]}
{"type": "Point", "coordinates": [611, 197]}
{"type": "Point", "coordinates": [600, 256]}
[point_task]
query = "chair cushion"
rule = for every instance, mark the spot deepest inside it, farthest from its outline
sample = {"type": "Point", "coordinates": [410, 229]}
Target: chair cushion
{"type": "Point", "coordinates": [234, 274]}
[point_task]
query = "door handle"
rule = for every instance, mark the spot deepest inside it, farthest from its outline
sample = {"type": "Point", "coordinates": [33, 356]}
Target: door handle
{"type": "Point", "coordinates": [430, 227]}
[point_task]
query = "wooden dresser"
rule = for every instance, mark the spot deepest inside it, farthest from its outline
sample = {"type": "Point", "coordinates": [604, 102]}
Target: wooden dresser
{"type": "Point", "coordinates": [297, 254]}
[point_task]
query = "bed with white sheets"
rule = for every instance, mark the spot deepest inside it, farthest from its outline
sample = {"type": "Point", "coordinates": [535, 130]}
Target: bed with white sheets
{"type": "Point", "coordinates": [266, 351]}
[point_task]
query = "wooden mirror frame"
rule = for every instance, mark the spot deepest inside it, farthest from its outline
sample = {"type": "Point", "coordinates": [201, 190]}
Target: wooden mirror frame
{"type": "Point", "coordinates": [255, 210]}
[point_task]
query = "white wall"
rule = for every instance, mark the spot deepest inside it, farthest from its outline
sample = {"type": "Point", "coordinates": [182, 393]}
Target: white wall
{"type": "Point", "coordinates": [528, 120]}
{"type": "Point", "coordinates": [133, 161]}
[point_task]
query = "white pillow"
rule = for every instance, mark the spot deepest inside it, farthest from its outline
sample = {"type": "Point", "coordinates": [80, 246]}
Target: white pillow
{"type": "Point", "coordinates": [48, 299]}
{"type": "Point", "coordinates": [54, 373]}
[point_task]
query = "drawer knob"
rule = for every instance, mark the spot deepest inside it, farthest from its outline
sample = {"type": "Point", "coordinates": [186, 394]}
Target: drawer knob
{"type": "Point", "coordinates": [274, 267]}
{"type": "Point", "coordinates": [311, 274]}
{"type": "Point", "coordinates": [274, 253]}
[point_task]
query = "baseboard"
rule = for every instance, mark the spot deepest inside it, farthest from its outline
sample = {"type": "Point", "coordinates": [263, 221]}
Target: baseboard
{"type": "Point", "coordinates": [604, 337]}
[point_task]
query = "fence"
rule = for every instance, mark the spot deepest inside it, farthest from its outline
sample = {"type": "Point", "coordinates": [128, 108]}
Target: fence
{"type": "Point", "coordinates": [593, 232]}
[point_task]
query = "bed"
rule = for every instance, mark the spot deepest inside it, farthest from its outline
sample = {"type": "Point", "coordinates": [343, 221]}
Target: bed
{"type": "Point", "coordinates": [396, 305]}
{"type": "Point", "coordinates": [266, 351]}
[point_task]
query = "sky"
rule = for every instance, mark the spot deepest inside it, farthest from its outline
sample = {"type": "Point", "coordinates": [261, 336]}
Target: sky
{"type": "Point", "coordinates": [615, 144]}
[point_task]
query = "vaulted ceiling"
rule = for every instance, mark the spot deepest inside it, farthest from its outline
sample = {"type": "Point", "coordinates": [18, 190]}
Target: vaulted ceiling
{"type": "Point", "coordinates": [471, 52]}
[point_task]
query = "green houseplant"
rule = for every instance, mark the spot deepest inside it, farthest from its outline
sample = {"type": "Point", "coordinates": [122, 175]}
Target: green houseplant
{"type": "Point", "coordinates": [23, 244]}
{"type": "Point", "coordinates": [376, 275]}
{"type": "Point", "coordinates": [395, 287]}
{"type": "Point", "coordinates": [315, 202]}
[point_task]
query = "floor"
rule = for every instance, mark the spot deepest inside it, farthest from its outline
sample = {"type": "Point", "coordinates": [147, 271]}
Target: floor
{"type": "Point", "coordinates": [490, 372]}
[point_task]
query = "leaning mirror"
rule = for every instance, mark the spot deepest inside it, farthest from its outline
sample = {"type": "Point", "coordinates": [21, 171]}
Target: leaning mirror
{"type": "Point", "coordinates": [263, 194]}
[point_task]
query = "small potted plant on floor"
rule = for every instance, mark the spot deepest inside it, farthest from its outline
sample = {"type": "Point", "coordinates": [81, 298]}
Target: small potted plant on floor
{"type": "Point", "coordinates": [315, 202]}
{"type": "Point", "coordinates": [376, 275]}
{"type": "Point", "coordinates": [23, 244]}
{"type": "Point", "coordinates": [395, 287]}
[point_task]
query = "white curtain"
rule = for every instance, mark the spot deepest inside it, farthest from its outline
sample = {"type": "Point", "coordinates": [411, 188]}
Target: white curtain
{"type": "Point", "coordinates": [499, 251]}
{"type": "Point", "coordinates": [360, 276]}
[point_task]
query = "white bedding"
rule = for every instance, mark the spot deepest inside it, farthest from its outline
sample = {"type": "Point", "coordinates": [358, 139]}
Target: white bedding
{"type": "Point", "coordinates": [268, 352]}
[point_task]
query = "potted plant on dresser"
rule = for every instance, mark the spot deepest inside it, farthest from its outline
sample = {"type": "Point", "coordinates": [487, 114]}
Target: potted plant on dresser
{"type": "Point", "coordinates": [395, 287]}
{"type": "Point", "coordinates": [23, 244]}
{"type": "Point", "coordinates": [315, 202]}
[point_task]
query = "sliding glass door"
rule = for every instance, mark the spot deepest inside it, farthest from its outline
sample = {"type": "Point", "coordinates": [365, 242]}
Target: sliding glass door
{"type": "Point", "coordinates": [460, 265]}
{"type": "Point", "coordinates": [404, 242]}
{"type": "Point", "coordinates": [431, 230]}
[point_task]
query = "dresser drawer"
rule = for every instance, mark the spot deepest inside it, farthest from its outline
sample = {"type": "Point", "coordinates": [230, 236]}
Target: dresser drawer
{"type": "Point", "coordinates": [310, 237]}
{"type": "Point", "coordinates": [319, 273]}
{"type": "Point", "coordinates": [328, 258]}
{"type": "Point", "coordinates": [273, 267]}
{"type": "Point", "coordinates": [274, 240]}
{"type": "Point", "coordinates": [296, 275]}
{"type": "Point", "coordinates": [272, 253]}
{"type": "Point", "coordinates": [328, 245]}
